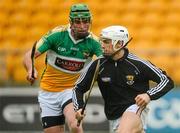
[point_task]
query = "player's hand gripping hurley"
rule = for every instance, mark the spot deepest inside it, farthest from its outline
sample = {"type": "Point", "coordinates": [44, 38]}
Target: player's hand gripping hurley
{"type": "Point", "coordinates": [92, 84]}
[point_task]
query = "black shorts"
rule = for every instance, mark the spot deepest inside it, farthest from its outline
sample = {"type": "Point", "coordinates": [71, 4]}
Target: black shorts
{"type": "Point", "coordinates": [50, 121]}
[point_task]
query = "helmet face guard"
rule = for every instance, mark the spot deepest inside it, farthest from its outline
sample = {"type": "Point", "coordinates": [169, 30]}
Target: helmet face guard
{"type": "Point", "coordinates": [80, 14]}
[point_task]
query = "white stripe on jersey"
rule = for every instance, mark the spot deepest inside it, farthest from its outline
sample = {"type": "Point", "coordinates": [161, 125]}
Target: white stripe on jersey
{"type": "Point", "coordinates": [164, 79]}
{"type": "Point", "coordinates": [81, 77]}
{"type": "Point", "coordinates": [83, 73]}
{"type": "Point", "coordinates": [75, 100]}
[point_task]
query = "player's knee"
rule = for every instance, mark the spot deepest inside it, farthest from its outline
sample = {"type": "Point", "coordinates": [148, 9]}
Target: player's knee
{"type": "Point", "coordinates": [140, 130]}
{"type": "Point", "coordinates": [124, 131]}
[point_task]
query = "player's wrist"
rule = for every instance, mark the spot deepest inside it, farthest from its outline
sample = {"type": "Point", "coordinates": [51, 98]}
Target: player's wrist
{"type": "Point", "coordinates": [148, 95]}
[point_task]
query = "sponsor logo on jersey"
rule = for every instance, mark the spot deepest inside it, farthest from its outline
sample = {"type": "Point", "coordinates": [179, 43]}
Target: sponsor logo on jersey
{"type": "Point", "coordinates": [62, 49]}
{"type": "Point", "coordinates": [69, 64]}
{"type": "Point", "coordinates": [106, 79]}
{"type": "Point", "coordinates": [74, 49]}
{"type": "Point", "coordinates": [130, 79]}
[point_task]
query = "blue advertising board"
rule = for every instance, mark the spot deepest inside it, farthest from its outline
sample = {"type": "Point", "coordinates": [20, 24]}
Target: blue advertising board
{"type": "Point", "coordinates": [164, 115]}
{"type": "Point", "coordinates": [19, 111]}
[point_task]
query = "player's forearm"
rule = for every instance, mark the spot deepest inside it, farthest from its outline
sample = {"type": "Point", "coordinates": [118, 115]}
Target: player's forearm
{"type": "Point", "coordinates": [27, 62]}
{"type": "Point", "coordinates": [155, 93]}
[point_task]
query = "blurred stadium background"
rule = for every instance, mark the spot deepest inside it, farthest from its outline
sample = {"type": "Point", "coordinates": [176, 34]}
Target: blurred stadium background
{"type": "Point", "coordinates": [153, 24]}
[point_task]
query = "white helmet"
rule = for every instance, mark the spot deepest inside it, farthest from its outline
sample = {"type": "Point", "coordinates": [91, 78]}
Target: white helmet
{"type": "Point", "coordinates": [115, 33]}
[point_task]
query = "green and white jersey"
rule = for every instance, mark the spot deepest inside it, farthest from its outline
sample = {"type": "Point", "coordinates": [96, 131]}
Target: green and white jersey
{"type": "Point", "coordinates": [65, 56]}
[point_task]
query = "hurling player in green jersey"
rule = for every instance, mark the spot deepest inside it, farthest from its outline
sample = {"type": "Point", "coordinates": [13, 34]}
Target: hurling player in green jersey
{"type": "Point", "coordinates": [68, 48]}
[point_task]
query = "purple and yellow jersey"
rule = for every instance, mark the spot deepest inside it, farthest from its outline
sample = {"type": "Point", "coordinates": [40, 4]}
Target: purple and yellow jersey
{"type": "Point", "coordinates": [65, 58]}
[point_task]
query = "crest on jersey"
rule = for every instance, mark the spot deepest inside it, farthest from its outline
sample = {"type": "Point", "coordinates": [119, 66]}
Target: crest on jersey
{"type": "Point", "coordinates": [130, 79]}
{"type": "Point", "coordinates": [86, 54]}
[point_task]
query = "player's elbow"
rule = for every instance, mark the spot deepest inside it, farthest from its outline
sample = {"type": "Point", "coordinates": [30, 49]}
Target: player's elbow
{"type": "Point", "coordinates": [170, 84]}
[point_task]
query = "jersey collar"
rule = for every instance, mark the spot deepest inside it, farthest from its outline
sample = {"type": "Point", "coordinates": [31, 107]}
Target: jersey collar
{"type": "Point", "coordinates": [126, 52]}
